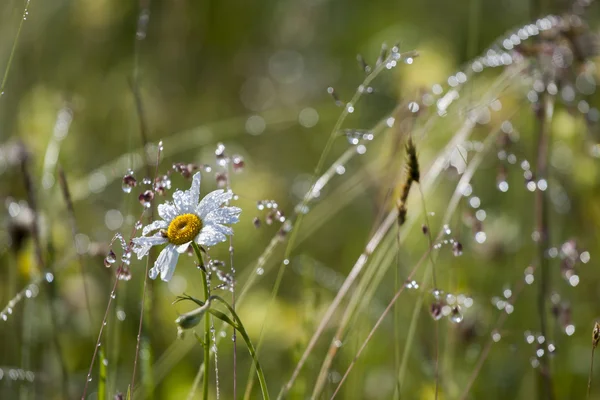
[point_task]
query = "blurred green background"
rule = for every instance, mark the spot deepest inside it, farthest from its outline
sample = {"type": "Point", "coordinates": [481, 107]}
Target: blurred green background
{"type": "Point", "coordinates": [254, 76]}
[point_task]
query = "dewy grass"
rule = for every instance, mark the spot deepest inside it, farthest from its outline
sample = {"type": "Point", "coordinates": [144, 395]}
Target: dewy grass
{"type": "Point", "coordinates": [366, 279]}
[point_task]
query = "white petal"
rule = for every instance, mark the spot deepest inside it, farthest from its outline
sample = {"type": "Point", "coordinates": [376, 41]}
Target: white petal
{"type": "Point", "coordinates": [195, 189]}
{"type": "Point", "coordinates": [209, 236]}
{"type": "Point", "coordinates": [212, 201]}
{"type": "Point", "coordinates": [183, 202]}
{"type": "Point", "coordinates": [154, 226]}
{"type": "Point", "coordinates": [167, 211]}
{"type": "Point", "coordinates": [165, 264]}
{"type": "Point", "coordinates": [141, 245]}
{"type": "Point", "coordinates": [223, 215]}
{"type": "Point", "coordinates": [225, 230]}
{"type": "Point", "coordinates": [183, 248]}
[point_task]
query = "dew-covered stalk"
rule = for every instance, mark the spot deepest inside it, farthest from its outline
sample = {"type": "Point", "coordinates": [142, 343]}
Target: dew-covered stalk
{"type": "Point", "coordinates": [206, 321]}
{"type": "Point", "coordinates": [240, 327]}
{"type": "Point", "coordinates": [14, 47]}
{"type": "Point", "coordinates": [595, 340]}
{"type": "Point", "coordinates": [542, 227]}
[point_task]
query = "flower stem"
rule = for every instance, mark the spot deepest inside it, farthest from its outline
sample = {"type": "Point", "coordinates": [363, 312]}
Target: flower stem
{"type": "Point", "coordinates": [206, 321]}
{"type": "Point", "coordinates": [240, 327]}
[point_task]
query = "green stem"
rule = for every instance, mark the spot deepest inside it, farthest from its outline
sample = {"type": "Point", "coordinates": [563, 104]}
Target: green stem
{"type": "Point", "coordinates": [237, 325]}
{"type": "Point", "coordinates": [14, 48]}
{"type": "Point", "coordinates": [240, 327]}
{"type": "Point", "coordinates": [206, 321]}
{"type": "Point", "coordinates": [411, 333]}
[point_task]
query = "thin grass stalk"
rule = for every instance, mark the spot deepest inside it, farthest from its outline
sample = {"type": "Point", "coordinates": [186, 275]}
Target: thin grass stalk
{"type": "Point", "coordinates": [14, 48]}
{"type": "Point", "coordinates": [206, 309]}
{"type": "Point", "coordinates": [589, 386]}
{"type": "Point", "coordinates": [542, 222]}
{"type": "Point", "coordinates": [354, 303]}
{"type": "Point", "coordinates": [74, 231]}
{"type": "Point", "coordinates": [26, 340]}
{"type": "Point", "coordinates": [147, 300]}
{"type": "Point", "coordinates": [434, 281]}
{"type": "Point", "coordinates": [412, 328]}
{"type": "Point", "coordinates": [102, 374]}
{"type": "Point", "coordinates": [206, 291]}
{"type": "Point", "coordinates": [104, 320]}
{"type": "Point", "coordinates": [98, 341]}
{"type": "Point", "coordinates": [41, 263]}
{"type": "Point", "coordinates": [365, 289]}
{"type": "Point", "coordinates": [486, 349]}
{"type": "Point", "coordinates": [240, 327]}
{"type": "Point", "coordinates": [377, 324]}
{"type": "Point", "coordinates": [595, 341]}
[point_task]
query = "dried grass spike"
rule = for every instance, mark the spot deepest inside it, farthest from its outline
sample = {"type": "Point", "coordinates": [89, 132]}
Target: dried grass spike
{"type": "Point", "coordinates": [412, 164]}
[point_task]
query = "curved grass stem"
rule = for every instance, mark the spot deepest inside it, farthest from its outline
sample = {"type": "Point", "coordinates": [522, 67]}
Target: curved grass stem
{"type": "Point", "coordinates": [206, 321]}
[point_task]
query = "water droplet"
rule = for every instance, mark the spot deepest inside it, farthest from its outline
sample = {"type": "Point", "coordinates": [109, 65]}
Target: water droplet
{"type": "Point", "coordinates": [503, 186]}
{"type": "Point", "coordinates": [436, 310]}
{"type": "Point", "coordinates": [220, 150]}
{"type": "Point", "coordinates": [129, 182]}
{"type": "Point", "coordinates": [496, 336]}
{"type": "Point", "coordinates": [413, 107]}
{"type": "Point", "coordinates": [110, 259]}
{"type": "Point", "coordinates": [49, 277]}
{"type": "Point", "coordinates": [542, 184]}
{"type": "Point", "coordinates": [475, 202]}
{"type": "Point", "coordinates": [480, 237]}
{"type": "Point", "coordinates": [411, 285]}
{"type": "Point", "coordinates": [238, 163]}
{"type": "Point", "coordinates": [146, 198]}
{"type": "Point", "coordinates": [456, 315]}
{"type": "Point", "coordinates": [539, 352]}
{"type": "Point", "coordinates": [260, 271]}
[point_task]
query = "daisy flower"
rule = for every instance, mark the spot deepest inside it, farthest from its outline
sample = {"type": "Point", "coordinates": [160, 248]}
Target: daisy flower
{"type": "Point", "coordinates": [185, 220]}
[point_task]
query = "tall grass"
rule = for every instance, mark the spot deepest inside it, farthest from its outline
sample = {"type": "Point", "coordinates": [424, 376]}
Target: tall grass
{"type": "Point", "coordinates": [424, 163]}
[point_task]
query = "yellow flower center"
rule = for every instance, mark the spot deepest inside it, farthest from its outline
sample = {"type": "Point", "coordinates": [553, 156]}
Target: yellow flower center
{"type": "Point", "coordinates": [184, 228]}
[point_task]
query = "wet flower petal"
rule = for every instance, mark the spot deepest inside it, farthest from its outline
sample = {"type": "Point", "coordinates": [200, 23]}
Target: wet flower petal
{"type": "Point", "coordinates": [209, 236]}
{"type": "Point", "coordinates": [183, 202]}
{"type": "Point", "coordinates": [225, 230]}
{"type": "Point", "coordinates": [183, 248]}
{"type": "Point", "coordinates": [154, 226]}
{"type": "Point", "coordinates": [194, 192]}
{"type": "Point", "coordinates": [141, 245]}
{"type": "Point", "coordinates": [211, 202]}
{"type": "Point", "coordinates": [167, 211]}
{"type": "Point", "coordinates": [224, 215]}
{"type": "Point", "coordinates": [165, 264]}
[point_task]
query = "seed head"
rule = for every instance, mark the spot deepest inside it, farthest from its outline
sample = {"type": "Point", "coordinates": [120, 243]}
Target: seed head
{"type": "Point", "coordinates": [412, 163]}
{"type": "Point", "coordinates": [596, 335]}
